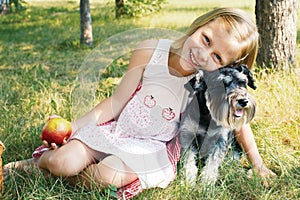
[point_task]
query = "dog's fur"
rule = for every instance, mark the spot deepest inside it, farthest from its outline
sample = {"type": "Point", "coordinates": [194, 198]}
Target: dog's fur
{"type": "Point", "coordinates": [220, 104]}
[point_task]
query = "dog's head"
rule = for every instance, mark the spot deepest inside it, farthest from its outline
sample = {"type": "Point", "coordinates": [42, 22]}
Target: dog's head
{"type": "Point", "coordinates": [226, 95]}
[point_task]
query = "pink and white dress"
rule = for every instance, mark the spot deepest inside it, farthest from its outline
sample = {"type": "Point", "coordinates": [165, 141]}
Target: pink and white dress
{"type": "Point", "coordinates": [145, 134]}
{"type": "Point", "coordinates": [149, 120]}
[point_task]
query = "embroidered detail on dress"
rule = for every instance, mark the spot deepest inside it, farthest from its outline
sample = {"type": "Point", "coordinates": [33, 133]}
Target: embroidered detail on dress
{"type": "Point", "coordinates": [149, 101]}
{"type": "Point", "coordinates": [139, 121]}
{"type": "Point", "coordinates": [157, 56]}
{"type": "Point", "coordinates": [168, 113]}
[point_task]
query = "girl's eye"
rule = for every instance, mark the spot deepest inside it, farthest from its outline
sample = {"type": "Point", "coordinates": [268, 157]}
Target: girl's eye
{"type": "Point", "coordinates": [206, 40]}
{"type": "Point", "coordinates": [218, 58]}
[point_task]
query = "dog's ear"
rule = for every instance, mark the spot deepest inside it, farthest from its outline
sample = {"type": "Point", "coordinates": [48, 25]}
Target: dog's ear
{"type": "Point", "coordinates": [194, 85]}
{"type": "Point", "coordinates": [190, 86]}
{"type": "Point", "coordinates": [197, 83]}
{"type": "Point", "coordinates": [245, 70]}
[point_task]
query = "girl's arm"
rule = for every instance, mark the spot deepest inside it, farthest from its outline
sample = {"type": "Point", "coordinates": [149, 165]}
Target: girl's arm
{"type": "Point", "coordinates": [111, 107]}
{"type": "Point", "coordinates": [245, 138]}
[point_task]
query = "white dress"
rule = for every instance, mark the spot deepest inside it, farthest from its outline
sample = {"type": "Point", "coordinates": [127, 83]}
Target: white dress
{"type": "Point", "coordinates": [148, 121]}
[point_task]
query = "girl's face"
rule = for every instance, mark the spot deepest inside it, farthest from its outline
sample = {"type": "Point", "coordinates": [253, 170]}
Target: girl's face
{"type": "Point", "coordinates": [209, 48]}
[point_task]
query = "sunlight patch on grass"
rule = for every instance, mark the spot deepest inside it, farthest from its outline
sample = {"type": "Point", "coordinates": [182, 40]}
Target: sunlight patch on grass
{"type": "Point", "coordinates": [277, 122]}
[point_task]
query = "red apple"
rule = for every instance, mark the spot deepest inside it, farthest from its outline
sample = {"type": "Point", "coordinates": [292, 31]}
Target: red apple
{"type": "Point", "coordinates": [56, 130]}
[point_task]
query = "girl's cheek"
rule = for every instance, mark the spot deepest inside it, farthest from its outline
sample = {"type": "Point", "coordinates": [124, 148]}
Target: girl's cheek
{"type": "Point", "coordinates": [211, 66]}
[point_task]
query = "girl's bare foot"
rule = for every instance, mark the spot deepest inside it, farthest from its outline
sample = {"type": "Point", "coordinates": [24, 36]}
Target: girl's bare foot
{"type": "Point", "coordinates": [24, 165]}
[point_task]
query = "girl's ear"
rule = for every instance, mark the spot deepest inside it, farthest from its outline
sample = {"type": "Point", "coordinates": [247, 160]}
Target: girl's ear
{"type": "Point", "coordinates": [245, 70]}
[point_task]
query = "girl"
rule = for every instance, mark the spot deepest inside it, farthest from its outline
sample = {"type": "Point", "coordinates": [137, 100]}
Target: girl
{"type": "Point", "coordinates": [131, 136]}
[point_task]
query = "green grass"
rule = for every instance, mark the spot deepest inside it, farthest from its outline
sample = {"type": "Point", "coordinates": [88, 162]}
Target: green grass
{"type": "Point", "coordinates": [39, 63]}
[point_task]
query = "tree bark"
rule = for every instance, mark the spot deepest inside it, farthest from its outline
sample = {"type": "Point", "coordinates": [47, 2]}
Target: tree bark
{"type": "Point", "coordinates": [277, 25]}
{"type": "Point", "coordinates": [86, 33]}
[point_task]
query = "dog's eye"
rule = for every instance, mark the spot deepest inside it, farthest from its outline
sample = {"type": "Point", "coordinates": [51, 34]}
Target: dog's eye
{"type": "Point", "coordinates": [242, 82]}
{"type": "Point", "coordinates": [227, 80]}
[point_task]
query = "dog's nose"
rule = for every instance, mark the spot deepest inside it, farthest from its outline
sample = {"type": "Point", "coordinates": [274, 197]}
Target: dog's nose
{"type": "Point", "coordinates": [243, 102]}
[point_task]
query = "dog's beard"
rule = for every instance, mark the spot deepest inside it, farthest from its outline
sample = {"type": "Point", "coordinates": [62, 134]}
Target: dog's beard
{"type": "Point", "coordinates": [245, 114]}
{"type": "Point", "coordinates": [224, 109]}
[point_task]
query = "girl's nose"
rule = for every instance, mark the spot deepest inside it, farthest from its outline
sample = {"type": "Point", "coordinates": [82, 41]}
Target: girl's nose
{"type": "Point", "coordinates": [205, 59]}
{"type": "Point", "coordinates": [203, 56]}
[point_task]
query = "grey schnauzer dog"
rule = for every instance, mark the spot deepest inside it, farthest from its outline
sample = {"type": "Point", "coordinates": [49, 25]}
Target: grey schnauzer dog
{"type": "Point", "coordinates": [220, 104]}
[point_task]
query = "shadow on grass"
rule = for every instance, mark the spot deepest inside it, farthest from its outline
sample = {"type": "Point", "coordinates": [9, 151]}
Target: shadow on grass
{"type": "Point", "coordinates": [47, 34]}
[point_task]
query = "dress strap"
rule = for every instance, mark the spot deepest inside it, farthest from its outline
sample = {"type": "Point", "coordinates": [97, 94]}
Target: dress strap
{"type": "Point", "coordinates": [161, 52]}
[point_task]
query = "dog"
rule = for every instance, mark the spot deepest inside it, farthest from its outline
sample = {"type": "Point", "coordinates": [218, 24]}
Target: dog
{"type": "Point", "coordinates": [220, 104]}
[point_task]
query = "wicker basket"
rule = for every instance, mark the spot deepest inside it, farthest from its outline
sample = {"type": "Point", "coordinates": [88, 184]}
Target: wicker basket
{"type": "Point", "coordinates": [2, 148]}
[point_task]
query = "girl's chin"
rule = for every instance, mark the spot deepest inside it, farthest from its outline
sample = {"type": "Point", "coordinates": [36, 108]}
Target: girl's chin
{"type": "Point", "coordinates": [186, 66]}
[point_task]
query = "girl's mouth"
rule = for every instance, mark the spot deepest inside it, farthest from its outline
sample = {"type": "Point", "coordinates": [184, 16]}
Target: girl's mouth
{"type": "Point", "coordinates": [193, 60]}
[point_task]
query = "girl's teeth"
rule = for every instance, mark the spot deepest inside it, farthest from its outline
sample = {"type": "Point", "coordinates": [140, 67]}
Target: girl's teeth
{"type": "Point", "coordinates": [193, 60]}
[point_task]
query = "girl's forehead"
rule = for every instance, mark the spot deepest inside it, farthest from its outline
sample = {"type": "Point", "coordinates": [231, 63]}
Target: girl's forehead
{"type": "Point", "coordinates": [221, 24]}
{"type": "Point", "coordinates": [223, 41]}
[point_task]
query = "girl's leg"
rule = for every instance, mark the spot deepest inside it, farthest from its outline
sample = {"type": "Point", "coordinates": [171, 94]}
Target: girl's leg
{"type": "Point", "coordinates": [111, 170]}
{"type": "Point", "coordinates": [28, 166]}
{"type": "Point", "coordinates": [77, 162]}
{"type": "Point", "coordinates": [23, 165]}
{"type": "Point", "coordinates": [69, 160]}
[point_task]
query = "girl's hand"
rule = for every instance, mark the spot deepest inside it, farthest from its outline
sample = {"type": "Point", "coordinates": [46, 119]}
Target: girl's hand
{"type": "Point", "coordinates": [264, 173]}
{"type": "Point", "coordinates": [53, 145]}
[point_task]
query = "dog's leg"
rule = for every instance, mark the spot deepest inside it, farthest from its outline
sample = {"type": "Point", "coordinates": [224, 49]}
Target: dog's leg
{"type": "Point", "coordinates": [188, 131]}
{"type": "Point", "coordinates": [188, 155]}
{"type": "Point", "coordinates": [210, 172]}
{"type": "Point", "coordinates": [189, 168]}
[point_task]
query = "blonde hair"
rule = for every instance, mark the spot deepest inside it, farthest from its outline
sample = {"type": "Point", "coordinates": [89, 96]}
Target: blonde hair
{"type": "Point", "coordinates": [236, 22]}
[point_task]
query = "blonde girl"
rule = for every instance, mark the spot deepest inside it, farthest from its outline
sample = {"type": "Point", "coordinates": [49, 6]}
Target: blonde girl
{"type": "Point", "coordinates": [130, 139]}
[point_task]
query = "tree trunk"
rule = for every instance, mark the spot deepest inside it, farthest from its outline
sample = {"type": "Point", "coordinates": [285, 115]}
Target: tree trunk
{"type": "Point", "coordinates": [119, 8]}
{"type": "Point", "coordinates": [276, 21]}
{"type": "Point", "coordinates": [86, 34]}
{"type": "Point", "coordinates": [4, 7]}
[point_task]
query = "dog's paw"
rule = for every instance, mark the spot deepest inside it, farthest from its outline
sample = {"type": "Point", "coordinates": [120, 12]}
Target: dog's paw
{"type": "Point", "coordinates": [209, 177]}
{"type": "Point", "coordinates": [191, 174]}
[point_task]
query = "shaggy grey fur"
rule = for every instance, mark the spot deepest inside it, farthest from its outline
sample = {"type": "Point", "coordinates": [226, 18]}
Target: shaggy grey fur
{"type": "Point", "coordinates": [220, 104]}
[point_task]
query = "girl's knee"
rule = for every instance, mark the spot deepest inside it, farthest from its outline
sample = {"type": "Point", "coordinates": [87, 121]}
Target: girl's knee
{"type": "Point", "coordinates": [58, 164]}
{"type": "Point", "coordinates": [112, 170]}
{"type": "Point", "coordinates": [54, 164]}
{"type": "Point", "coordinates": [67, 160]}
